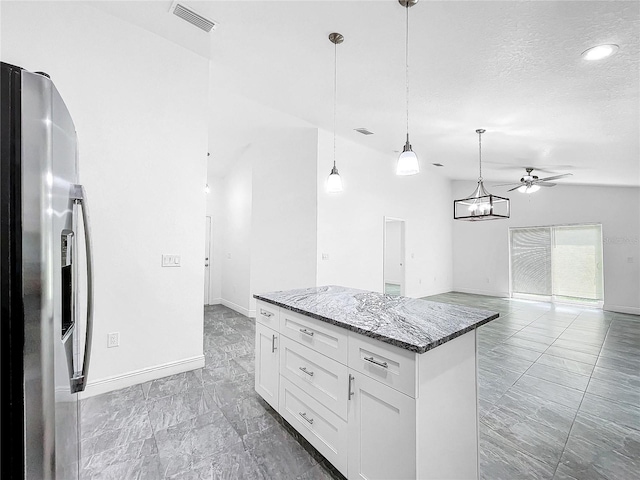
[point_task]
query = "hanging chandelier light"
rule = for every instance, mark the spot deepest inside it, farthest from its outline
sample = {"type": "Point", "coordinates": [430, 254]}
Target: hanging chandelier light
{"type": "Point", "coordinates": [334, 182]}
{"type": "Point", "coordinates": [408, 160]}
{"type": "Point", "coordinates": [481, 205]}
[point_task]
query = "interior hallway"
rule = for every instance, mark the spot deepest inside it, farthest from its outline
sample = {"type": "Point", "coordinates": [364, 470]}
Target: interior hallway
{"type": "Point", "coordinates": [559, 398]}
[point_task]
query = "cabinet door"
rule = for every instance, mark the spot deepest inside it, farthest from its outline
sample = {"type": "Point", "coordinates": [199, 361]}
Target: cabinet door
{"type": "Point", "coordinates": [382, 431]}
{"type": "Point", "coordinates": [267, 364]}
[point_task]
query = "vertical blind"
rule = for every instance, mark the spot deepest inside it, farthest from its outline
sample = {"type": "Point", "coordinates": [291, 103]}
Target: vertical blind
{"type": "Point", "coordinates": [561, 261]}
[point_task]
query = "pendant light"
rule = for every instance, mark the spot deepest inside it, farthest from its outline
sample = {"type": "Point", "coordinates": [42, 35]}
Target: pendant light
{"type": "Point", "coordinates": [334, 182]}
{"type": "Point", "coordinates": [408, 160]}
{"type": "Point", "coordinates": [481, 205]}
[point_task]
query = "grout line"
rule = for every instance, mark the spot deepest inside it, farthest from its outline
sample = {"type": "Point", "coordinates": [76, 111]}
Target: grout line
{"type": "Point", "coordinates": [581, 400]}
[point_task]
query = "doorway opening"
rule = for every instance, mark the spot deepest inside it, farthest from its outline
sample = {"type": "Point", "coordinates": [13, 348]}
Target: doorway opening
{"type": "Point", "coordinates": [560, 264]}
{"type": "Point", "coordinates": [393, 253]}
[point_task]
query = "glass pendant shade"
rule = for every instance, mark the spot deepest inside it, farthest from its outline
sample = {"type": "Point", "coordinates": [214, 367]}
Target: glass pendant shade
{"type": "Point", "coordinates": [407, 161]}
{"type": "Point", "coordinates": [334, 182]}
{"type": "Point", "coordinates": [529, 188]}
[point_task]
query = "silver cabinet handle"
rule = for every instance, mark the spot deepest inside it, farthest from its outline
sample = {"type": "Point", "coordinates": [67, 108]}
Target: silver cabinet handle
{"type": "Point", "coordinates": [79, 379]}
{"type": "Point", "coordinates": [351, 378]}
{"type": "Point", "coordinates": [307, 332]}
{"type": "Point", "coordinates": [273, 343]}
{"type": "Point", "coordinates": [265, 313]}
{"type": "Point", "coordinates": [375, 362]}
{"type": "Point", "coordinates": [304, 370]}
{"type": "Point", "coordinates": [304, 415]}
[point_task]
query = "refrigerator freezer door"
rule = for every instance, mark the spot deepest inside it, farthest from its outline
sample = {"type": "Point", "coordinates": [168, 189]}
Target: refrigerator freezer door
{"type": "Point", "coordinates": [49, 170]}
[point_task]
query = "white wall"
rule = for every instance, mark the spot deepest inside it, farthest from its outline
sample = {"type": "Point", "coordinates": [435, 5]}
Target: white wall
{"type": "Point", "coordinates": [393, 252]}
{"type": "Point", "coordinates": [235, 245]}
{"type": "Point", "coordinates": [351, 223]}
{"type": "Point", "coordinates": [284, 231]}
{"type": "Point", "coordinates": [137, 103]}
{"type": "Point", "coordinates": [264, 212]}
{"type": "Point", "coordinates": [481, 249]}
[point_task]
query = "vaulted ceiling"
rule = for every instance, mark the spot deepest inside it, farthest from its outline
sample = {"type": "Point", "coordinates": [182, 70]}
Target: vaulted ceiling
{"type": "Point", "coordinates": [511, 67]}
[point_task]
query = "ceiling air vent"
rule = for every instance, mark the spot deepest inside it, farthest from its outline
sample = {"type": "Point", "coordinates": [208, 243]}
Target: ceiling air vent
{"type": "Point", "coordinates": [192, 17]}
{"type": "Point", "coordinates": [363, 131]}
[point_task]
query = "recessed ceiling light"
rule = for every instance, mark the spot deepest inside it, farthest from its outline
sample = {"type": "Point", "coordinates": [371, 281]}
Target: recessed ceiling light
{"type": "Point", "coordinates": [599, 52]}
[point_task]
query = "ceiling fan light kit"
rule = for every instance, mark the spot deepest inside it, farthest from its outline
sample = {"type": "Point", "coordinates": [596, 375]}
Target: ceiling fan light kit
{"type": "Point", "coordinates": [408, 160]}
{"type": "Point", "coordinates": [481, 205]}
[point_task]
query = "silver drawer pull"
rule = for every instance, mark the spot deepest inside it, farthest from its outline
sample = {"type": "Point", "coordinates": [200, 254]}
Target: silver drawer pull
{"type": "Point", "coordinates": [265, 313]}
{"type": "Point", "coordinates": [304, 369]}
{"type": "Point", "coordinates": [374, 361]}
{"type": "Point", "coordinates": [273, 344]}
{"type": "Point", "coordinates": [304, 415]}
{"type": "Point", "coordinates": [307, 332]}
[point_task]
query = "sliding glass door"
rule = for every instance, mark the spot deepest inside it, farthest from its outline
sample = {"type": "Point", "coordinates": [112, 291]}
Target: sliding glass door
{"type": "Point", "coordinates": [559, 263]}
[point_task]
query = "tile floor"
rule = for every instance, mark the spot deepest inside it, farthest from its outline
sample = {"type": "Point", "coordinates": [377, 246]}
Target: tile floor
{"type": "Point", "coordinates": [559, 392]}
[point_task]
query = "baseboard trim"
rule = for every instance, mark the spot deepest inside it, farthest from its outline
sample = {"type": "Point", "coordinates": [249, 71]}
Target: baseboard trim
{"type": "Point", "coordinates": [234, 306]}
{"type": "Point", "coordinates": [215, 301]}
{"type": "Point", "coordinates": [135, 377]}
{"type": "Point", "coordinates": [473, 291]}
{"type": "Point", "coordinates": [621, 309]}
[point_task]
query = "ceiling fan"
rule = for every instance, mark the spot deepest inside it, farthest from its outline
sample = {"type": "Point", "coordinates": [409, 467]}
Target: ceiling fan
{"type": "Point", "coordinates": [531, 183]}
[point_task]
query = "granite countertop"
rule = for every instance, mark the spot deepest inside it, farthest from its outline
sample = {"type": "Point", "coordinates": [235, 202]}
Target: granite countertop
{"type": "Point", "coordinates": [409, 323]}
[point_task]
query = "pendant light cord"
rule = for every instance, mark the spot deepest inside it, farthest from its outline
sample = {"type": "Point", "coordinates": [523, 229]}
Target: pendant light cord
{"type": "Point", "coordinates": [335, 94]}
{"type": "Point", "coordinates": [480, 153]}
{"type": "Point", "coordinates": [406, 62]}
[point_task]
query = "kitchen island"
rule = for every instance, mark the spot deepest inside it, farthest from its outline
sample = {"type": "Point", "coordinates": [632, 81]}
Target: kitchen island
{"type": "Point", "coordinates": [382, 386]}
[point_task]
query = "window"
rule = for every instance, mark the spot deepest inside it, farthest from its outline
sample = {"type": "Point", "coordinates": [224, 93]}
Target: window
{"type": "Point", "coordinates": [560, 263]}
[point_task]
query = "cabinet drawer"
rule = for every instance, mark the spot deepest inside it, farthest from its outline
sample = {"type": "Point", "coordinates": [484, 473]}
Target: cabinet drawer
{"type": "Point", "coordinates": [322, 378]}
{"type": "Point", "coordinates": [268, 314]}
{"type": "Point", "coordinates": [315, 334]}
{"type": "Point", "coordinates": [386, 363]}
{"type": "Point", "coordinates": [320, 426]}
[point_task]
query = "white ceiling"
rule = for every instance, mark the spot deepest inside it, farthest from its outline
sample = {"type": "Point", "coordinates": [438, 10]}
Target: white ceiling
{"type": "Point", "coordinates": [511, 67]}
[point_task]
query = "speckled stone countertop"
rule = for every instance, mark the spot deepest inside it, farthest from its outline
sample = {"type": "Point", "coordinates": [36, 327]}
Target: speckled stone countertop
{"type": "Point", "coordinates": [409, 323]}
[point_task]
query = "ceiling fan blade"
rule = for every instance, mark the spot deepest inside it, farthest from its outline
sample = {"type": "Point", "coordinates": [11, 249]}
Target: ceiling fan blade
{"type": "Point", "coordinates": [545, 184]}
{"type": "Point", "coordinates": [514, 188]}
{"type": "Point", "coordinates": [555, 177]}
{"type": "Point", "coordinates": [509, 184]}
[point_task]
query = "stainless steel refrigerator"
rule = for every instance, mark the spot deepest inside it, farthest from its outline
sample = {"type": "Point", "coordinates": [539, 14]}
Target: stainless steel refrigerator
{"type": "Point", "coordinates": [46, 281]}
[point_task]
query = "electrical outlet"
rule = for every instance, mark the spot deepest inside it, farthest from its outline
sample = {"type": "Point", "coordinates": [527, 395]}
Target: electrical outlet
{"type": "Point", "coordinates": [113, 339]}
{"type": "Point", "coordinates": [325, 256]}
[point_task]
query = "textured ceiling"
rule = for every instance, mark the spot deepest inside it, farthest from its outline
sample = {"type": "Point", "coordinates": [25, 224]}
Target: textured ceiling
{"type": "Point", "coordinates": [511, 67]}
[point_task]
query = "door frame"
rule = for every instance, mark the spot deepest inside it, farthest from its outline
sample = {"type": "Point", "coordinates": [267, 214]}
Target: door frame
{"type": "Point", "coordinates": [403, 225]}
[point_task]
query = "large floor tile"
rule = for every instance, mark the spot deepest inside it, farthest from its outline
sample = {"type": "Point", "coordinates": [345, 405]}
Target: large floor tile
{"type": "Point", "coordinates": [562, 377]}
{"type": "Point", "coordinates": [620, 413]}
{"type": "Point", "coordinates": [278, 454]}
{"type": "Point", "coordinates": [571, 354]}
{"type": "Point", "coordinates": [528, 385]}
{"type": "Point", "coordinates": [190, 442]}
{"type": "Point", "coordinates": [502, 460]}
{"type": "Point", "coordinates": [565, 364]}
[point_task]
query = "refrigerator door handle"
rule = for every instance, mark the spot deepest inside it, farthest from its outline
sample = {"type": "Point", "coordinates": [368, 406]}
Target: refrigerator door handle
{"type": "Point", "coordinates": [79, 379]}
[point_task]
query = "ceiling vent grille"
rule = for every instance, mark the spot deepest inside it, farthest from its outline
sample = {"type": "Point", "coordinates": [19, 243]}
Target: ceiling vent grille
{"type": "Point", "coordinates": [192, 17]}
{"type": "Point", "coordinates": [363, 131]}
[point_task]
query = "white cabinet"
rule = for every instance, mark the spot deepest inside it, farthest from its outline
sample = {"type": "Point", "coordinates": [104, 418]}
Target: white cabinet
{"type": "Point", "coordinates": [267, 375]}
{"type": "Point", "coordinates": [374, 410]}
{"type": "Point", "coordinates": [382, 431]}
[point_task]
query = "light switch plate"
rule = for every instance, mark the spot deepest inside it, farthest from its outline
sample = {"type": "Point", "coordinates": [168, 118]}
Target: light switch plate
{"type": "Point", "coordinates": [170, 260]}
